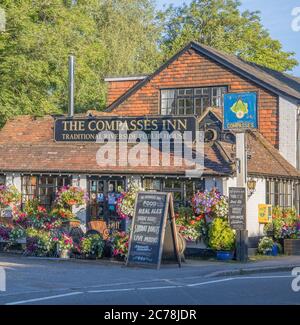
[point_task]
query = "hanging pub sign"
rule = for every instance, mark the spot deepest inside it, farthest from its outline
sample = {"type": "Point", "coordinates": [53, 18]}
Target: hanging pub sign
{"type": "Point", "coordinates": [240, 111]}
{"type": "Point", "coordinates": [264, 213]}
{"type": "Point", "coordinates": [153, 225]}
{"type": "Point", "coordinates": [237, 208]}
{"type": "Point", "coordinates": [87, 129]}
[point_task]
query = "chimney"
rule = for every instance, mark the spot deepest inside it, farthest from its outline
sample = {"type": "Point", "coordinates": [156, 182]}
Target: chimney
{"type": "Point", "coordinates": [71, 85]}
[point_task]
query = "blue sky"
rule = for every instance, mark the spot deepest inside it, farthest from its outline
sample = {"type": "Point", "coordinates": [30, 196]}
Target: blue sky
{"type": "Point", "coordinates": [276, 17]}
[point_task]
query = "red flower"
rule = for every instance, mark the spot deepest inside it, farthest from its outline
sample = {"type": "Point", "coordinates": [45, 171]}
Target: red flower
{"type": "Point", "coordinates": [41, 209]}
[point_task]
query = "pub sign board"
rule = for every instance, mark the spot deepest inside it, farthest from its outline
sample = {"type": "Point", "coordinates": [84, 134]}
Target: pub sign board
{"type": "Point", "coordinates": [240, 111]}
{"type": "Point", "coordinates": [68, 129]}
{"type": "Point", "coordinates": [237, 208]}
{"type": "Point", "coordinates": [153, 212]}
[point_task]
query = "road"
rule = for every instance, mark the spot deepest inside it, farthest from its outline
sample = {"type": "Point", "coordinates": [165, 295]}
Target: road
{"type": "Point", "coordinates": [48, 282]}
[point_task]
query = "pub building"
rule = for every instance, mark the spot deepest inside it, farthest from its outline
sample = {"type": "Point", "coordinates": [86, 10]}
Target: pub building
{"type": "Point", "coordinates": [39, 155]}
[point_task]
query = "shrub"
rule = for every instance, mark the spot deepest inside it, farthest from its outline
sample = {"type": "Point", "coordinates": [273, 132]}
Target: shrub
{"type": "Point", "coordinates": [221, 236]}
{"type": "Point", "coordinates": [120, 241]}
{"type": "Point", "coordinates": [39, 243]}
{"type": "Point", "coordinates": [92, 245]}
{"type": "Point", "coordinates": [265, 245]}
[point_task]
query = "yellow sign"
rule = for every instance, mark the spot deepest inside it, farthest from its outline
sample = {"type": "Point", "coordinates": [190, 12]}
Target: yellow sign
{"type": "Point", "coordinates": [264, 213]}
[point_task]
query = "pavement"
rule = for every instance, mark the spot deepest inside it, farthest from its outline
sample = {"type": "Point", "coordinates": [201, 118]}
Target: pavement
{"type": "Point", "coordinates": [55, 281]}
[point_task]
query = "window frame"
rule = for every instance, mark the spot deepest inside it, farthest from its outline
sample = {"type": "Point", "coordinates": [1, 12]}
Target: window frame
{"type": "Point", "coordinates": [186, 187]}
{"type": "Point", "coordinates": [174, 109]}
{"type": "Point", "coordinates": [280, 193]}
{"type": "Point", "coordinates": [43, 191]}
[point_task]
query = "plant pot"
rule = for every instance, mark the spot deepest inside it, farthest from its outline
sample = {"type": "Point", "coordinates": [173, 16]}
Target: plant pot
{"type": "Point", "coordinates": [274, 251]}
{"type": "Point", "coordinates": [292, 246]}
{"type": "Point", "coordinates": [224, 255]}
{"type": "Point", "coordinates": [64, 254]}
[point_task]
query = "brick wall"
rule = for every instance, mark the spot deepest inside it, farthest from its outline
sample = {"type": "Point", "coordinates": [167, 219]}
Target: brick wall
{"type": "Point", "coordinates": [193, 70]}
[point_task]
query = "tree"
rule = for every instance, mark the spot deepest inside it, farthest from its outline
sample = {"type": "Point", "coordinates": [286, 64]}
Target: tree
{"type": "Point", "coordinates": [221, 24]}
{"type": "Point", "coordinates": [106, 36]}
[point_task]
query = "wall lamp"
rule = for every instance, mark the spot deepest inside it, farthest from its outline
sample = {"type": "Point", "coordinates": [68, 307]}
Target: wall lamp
{"type": "Point", "coordinates": [251, 185]}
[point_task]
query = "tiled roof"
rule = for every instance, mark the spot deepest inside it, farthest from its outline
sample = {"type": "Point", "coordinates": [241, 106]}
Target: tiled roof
{"type": "Point", "coordinates": [27, 145]}
{"type": "Point", "coordinates": [274, 81]}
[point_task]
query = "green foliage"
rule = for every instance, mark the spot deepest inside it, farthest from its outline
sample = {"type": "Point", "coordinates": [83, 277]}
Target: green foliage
{"type": "Point", "coordinates": [92, 245]}
{"type": "Point", "coordinates": [39, 243]}
{"type": "Point", "coordinates": [265, 245]}
{"type": "Point", "coordinates": [16, 234]}
{"type": "Point", "coordinates": [31, 206]}
{"type": "Point", "coordinates": [106, 36]}
{"type": "Point", "coordinates": [285, 223]}
{"type": "Point", "coordinates": [222, 25]}
{"type": "Point", "coordinates": [221, 236]}
{"type": "Point", "coordinates": [9, 195]}
{"type": "Point", "coordinates": [112, 37]}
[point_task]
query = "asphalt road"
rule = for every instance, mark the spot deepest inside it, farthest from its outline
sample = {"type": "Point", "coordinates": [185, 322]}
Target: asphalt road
{"type": "Point", "coordinates": [32, 281]}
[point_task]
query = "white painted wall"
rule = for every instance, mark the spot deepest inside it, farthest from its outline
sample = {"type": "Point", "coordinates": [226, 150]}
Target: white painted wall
{"type": "Point", "coordinates": [258, 197]}
{"type": "Point", "coordinates": [288, 130]}
{"type": "Point", "coordinates": [134, 179]}
{"type": "Point", "coordinates": [211, 182]}
{"type": "Point", "coordinates": [14, 179]}
{"type": "Point", "coordinates": [80, 212]}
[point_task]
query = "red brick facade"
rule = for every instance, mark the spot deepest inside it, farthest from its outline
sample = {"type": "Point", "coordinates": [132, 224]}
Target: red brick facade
{"type": "Point", "coordinates": [193, 70]}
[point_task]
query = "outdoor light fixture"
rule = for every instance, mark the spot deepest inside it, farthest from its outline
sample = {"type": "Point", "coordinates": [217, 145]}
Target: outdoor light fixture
{"type": "Point", "coordinates": [251, 185]}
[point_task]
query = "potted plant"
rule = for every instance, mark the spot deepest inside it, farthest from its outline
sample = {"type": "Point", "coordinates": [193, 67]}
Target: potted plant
{"type": "Point", "coordinates": [285, 225]}
{"type": "Point", "coordinates": [222, 239]}
{"type": "Point", "coordinates": [266, 246]}
{"type": "Point", "coordinates": [64, 245]}
{"type": "Point", "coordinates": [92, 246]}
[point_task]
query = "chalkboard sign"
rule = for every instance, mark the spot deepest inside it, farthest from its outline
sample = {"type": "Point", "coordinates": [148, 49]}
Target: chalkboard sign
{"type": "Point", "coordinates": [237, 208]}
{"type": "Point", "coordinates": [153, 211]}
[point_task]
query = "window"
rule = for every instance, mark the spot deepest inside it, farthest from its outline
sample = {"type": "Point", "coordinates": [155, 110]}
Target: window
{"type": "Point", "coordinates": [182, 190]}
{"type": "Point", "coordinates": [191, 100]}
{"type": "Point", "coordinates": [2, 179]}
{"type": "Point", "coordinates": [42, 188]}
{"type": "Point", "coordinates": [280, 193]}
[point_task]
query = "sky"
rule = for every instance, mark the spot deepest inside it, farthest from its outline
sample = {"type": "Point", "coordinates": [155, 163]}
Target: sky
{"type": "Point", "coordinates": [276, 17]}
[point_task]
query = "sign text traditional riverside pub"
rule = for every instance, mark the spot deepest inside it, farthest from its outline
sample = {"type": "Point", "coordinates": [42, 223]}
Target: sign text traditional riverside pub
{"type": "Point", "coordinates": [87, 129]}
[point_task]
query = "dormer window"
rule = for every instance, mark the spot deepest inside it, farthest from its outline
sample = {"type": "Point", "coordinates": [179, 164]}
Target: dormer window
{"type": "Point", "coordinates": [184, 101]}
